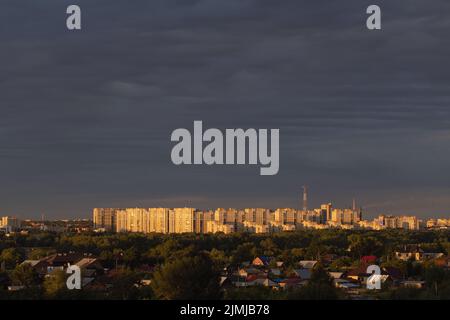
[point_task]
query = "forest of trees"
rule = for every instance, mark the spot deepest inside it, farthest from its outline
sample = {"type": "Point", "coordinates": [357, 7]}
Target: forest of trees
{"type": "Point", "coordinates": [189, 265]}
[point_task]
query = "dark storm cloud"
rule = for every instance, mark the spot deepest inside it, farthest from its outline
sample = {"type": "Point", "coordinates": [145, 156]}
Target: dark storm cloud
{"type": "Point", "coordinates": [86, 116]}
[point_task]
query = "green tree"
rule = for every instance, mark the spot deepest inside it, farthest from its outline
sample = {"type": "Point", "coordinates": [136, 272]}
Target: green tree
{"type": "Point", "coordinates": [269, 247]}
{"type": "Point", "coordinates": [131, 256]}
{"type": "Point", "coordinates": [341, 263]}
{"type": "Point", "coordinates": [40, 253]}
{"type": "Point", "coordinates": [434, 276]}
{"type": "Point", "coordinates": [243, 252]}
{"type": "Point", "coordinates": [11, 257]}
{"type": "Point", "coordinates": [124, 285]}
{"type": "Point", "coordinates": [187, 278]}
{"type": "Point", "coordinates": [24, 275]}
{"type": "Point", "coordinates": [219, 258]}
{"type": "Point", "coordinates": [55, 284]}
{"type": "Point", "coordinates": [319, 287]}
{"type": "Point", "coordinates": [361, 244]}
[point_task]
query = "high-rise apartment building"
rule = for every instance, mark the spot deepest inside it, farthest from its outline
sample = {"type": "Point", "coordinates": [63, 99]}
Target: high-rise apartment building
{"type": "Point", "coordinates": [133, 220]}
{"type": "Point", "coordinates": [398, 222]}
{"type": "Point", "coordinates": [105, 218]}
{"type": "Point", "coordinates": [159, 218]}
{"type": "Point", "coordinates": [327, 209]}
{"type": "Point", "coordinates": [259, 216]}
{"type": "Point", "coordinates": [10, 223]}
{"type": "Point", "coordinates": [185, 220]}
{"type": "Point", "coordinates": [285, 216]}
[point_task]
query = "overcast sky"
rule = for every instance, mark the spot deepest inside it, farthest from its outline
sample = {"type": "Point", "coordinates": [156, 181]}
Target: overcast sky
{"type": "Point", "coordinates": [86, 116]}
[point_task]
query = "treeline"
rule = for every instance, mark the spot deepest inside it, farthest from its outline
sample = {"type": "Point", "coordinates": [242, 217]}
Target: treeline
{"type": "Point", "coordinates": [155, 248]}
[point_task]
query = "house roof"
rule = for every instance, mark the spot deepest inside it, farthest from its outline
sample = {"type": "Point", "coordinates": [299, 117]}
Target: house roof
{"type": "Point", "coordinates": [442, 261]}
{"type": "Point", "coordinates": [304, 274]}
{"type": "Point", "coordinates": [307, 264]}
{"type": "Point", "coordinates": [292, 280]}
{"type": "Point", "coordinates": [368, 259]}
{"type": "Point", "coordinates": [348, 285]}
{"type": "Point", "coordinates": [254, 277]}
{"type": "Point", "coordinates": [378, 277]}
{"type": "Point", "coordinates": [264, 259]}
{"type": "Point", "coordinates": [33, 263]}
{"type": "Point", "coordinates": [336, 275]}
{"type": "Point", "coordinates": [86, 280]}
{"type": "Point", "coordinates": [64, 258]}
{"type": "Point", "coordinates": [86, 262]}
{"type": "Point", "coordinates": [250, 270]}
{"type": "Point", "coordinates": [360, 272]}
{"type": "Point", "coordinates": [223, 279]}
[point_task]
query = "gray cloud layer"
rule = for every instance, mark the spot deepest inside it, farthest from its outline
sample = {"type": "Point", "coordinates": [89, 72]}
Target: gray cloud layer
{"type": "Point", "coordinates": [86, 117]}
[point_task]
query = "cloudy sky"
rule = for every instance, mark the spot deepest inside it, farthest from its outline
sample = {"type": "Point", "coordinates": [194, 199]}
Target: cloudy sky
{"type": "Point", "coordinates": [86, 116]}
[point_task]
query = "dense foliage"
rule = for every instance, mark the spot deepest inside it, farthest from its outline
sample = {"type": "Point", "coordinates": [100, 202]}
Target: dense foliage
{"type": "Point", "coordinates": [188, 265]}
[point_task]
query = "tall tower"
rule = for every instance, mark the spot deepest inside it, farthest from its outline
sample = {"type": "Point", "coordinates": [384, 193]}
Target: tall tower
{"type": "Point", "coordinates": [305, 198]}
{"type": "Point", "coordinates": [354, 205]}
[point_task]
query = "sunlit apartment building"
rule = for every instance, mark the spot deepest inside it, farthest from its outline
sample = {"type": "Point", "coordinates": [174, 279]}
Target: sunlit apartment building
{"type": "Point", "coordinates": [254, 220]}
{"type": "Point", "coordinates": [398, 222]}
{"type": "Point", "coordinates": [345, 216]}
{"type": "Point", "coordinates": [438, 223]}
{"type": "Point", "coordinates": [133, 220]}
{"type": "Point", "coordinates": [285, 216]}
{"type": "Point", "coordinates": [213, 226]}
{"type": "Point", "coordinates": [9, 223]}
{"type": "Point", "coordinates": [257, 215]}
{"type": "Point", "coordinates": [186, 220]}
{"type": "Point", "coordinates": [105, 218]}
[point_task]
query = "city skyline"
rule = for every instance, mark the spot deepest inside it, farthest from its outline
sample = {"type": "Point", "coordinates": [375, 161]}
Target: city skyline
{"type": "Point", "coordinates": [87, 115]}
{"type": "Point", "coordinates": [300, 205]}
{"type": "Point", "coordinates": [302, 208]}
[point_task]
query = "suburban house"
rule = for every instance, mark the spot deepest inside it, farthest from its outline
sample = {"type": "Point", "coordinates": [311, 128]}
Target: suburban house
{"type": "Point", "coordinates": [414, 252]}
{"type": "Point", "coordinates": [359, 274]}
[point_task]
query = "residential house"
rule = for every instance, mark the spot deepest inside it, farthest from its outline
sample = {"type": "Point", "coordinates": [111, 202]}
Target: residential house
{"type": "Point", "coordinates": [359, 275]}
{"type": "Point", "coordinates": [414, 252]}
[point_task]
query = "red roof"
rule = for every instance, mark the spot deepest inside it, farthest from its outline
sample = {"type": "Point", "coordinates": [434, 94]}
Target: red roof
{"type": "Point", "coordinates": [253, 277]}
{"type": "Point", "coordinates": [293, 280]}
{"type": "Point", "coordinates": [369, 259]}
